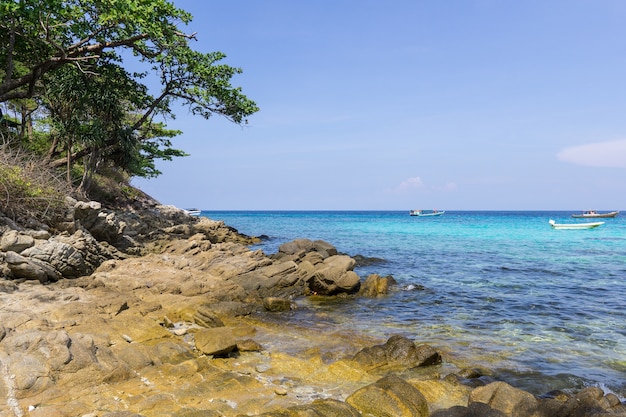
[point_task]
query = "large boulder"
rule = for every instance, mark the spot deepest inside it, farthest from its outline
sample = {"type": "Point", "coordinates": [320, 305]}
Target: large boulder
{"type": "Point", "coordinates": [398, 351]}
{"type": "Point", "coordinates": [333, 276]}
{"type": "Point", "coordinates": [389, 396]}
{"type": "Point", "coordinates": [103, 224]}
{"type": "Point", "coordinates": [375, 285]}
{"type": "Point", "coordinates": [64, 258]}
{"type": "Point", "coordinates": [22, 267]}
{"type": "Point", "coordinates": [502, 397]}
{"type": "Point", "coordinates": [216, 341]}
{"type": "Point", "coordinates": [92, 252]}
{"type": "Point", "coordinates": [14, 241]}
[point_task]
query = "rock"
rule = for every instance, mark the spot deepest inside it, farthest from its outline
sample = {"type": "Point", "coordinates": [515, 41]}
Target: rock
{"type": "Point", "coordinates": [92, 252]}
{"type": "Point", "coordinates": [218, 341]}
{"type": "Point", "coordinates": [397, 351]}
{"type": "Point", "coordinates": [375, 285]}
{"type": "Point", "coordinates": [64, 258]}
{"type": "Point", "coordinates": [14, 241]}
{"type": "Point", "coordinates": [218, 232]}
{"type": "Point", "coordinates": [589, 402]}
{"type": "Point", "coordinates": [205, 317]}
{"type": "Point", "coordinates": [442, 394]}
{"type": "Point", "coordinates": [35, 357]}
{"type": "Point", "coordinates": [302, 246]}
{"type": "Point", "coordinates": [102, 224]}
{"type": "Point", "coordinates": [502, 397]}
{"type": "Point", "coordinates": [389, 396]}
{"type": "Point", "coordinates": [473, 410]}
{"type": "Point", "coordinates": [276, 304]}
{"type": "Point", "coordinates": [334, 276]}
{"type": "Point", "coordinates": [367, 260]}
{"type": "Point", "coordinates": [22, 267]}
{"type": "Point", "coordinates": [321, 408]}
{"type": "Point", "coordinates": [248, 345]}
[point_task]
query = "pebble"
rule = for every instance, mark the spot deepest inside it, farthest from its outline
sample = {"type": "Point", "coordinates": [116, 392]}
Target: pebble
{"type": "Point", "coordinates": [180, 332]}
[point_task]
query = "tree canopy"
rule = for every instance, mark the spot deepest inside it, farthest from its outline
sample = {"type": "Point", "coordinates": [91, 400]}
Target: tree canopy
{"type": "Point", "coordinates": [62, 66]}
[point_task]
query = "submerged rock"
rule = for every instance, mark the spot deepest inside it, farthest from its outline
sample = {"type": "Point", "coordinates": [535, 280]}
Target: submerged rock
{"type": "Point", "coordinates": [375, 285]}
{"type": "Point", "coordinates": [397, 351]}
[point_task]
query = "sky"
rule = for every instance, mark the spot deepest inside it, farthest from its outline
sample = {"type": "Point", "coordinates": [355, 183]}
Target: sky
{"type": "Point", "coordinates": [409, 104]}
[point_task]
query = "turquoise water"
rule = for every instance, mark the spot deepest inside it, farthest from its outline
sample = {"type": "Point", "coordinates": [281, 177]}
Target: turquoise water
{"type": "Point", "coordinates": [543, 308]}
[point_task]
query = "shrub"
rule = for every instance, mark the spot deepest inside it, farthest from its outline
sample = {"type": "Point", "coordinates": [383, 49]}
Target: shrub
{"type": "Point", "coordinates": [28, 189]}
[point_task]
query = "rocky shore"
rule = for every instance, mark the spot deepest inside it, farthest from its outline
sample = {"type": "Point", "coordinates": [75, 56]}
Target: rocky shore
{"type": "Point", "coordinates": [149, 312]}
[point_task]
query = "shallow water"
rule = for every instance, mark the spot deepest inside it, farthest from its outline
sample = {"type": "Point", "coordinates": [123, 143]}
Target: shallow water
{"type": "Point", "coordinates": [542, 307]}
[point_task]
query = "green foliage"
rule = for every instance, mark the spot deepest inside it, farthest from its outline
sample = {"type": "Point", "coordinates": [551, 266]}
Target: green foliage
{"type": "Point", "coordinates": [65, 56]}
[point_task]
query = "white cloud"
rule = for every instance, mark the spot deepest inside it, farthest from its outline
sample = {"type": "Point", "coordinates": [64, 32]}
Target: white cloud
{"type": "Point", "coordinates": [409, 184]}
{"type": "Point", "coordinates": [600, 154]}
{"type": "Point", "coordinates": [416, 183]}
{"type": "Point", "coordinates": [449, 186]}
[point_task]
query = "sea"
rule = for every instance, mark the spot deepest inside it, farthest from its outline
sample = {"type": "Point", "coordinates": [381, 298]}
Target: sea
{"type": "Point", "coordinates": [542, 309]}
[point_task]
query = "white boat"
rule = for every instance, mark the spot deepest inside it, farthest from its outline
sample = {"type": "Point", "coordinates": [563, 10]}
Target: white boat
{"type": "Point", "coordinates": [192, 211]}
{"type": "Point", "coordinates": [426, 213]}
{"type": "Point", "coordinates": [574, 226]}
{"type": "Point", "coordinates": [592, 214]}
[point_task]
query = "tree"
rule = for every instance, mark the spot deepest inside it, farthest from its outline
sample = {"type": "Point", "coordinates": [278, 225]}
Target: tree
{"type": "Point", "coordinates": [68, 55]}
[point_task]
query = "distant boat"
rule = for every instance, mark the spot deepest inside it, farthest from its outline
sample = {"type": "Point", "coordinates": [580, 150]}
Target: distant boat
{"type": "Point", "coordinates": [193, 211]}
{"type": "Point", "coordinates": [592, 214]}
{"type": "Point", "coordinates": [426, 213]}
{"type": "Point", "coordinates": [574, 226]}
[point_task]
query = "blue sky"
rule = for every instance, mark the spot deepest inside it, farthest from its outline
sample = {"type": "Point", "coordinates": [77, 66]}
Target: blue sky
{"type": "Point", "coordinates": [398, 105]}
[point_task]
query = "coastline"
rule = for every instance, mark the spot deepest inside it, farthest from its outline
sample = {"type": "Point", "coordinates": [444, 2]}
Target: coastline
{"type": "Point", "coordinates": [180, 329]}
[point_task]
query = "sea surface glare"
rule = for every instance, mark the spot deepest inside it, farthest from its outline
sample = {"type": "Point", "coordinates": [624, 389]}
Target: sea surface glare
{"type": "Point", "coordinates": [543, 308]}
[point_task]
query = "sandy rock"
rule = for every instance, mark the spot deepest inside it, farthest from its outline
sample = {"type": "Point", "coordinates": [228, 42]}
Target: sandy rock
{"type": "Point", "coordinates": [505, 398]}
{"type": "Point", "coordinates": [34, 356]}
{"type": "Point", "coordinates": [391, 396]}
{"type": "Point", "coordinates": [323, 407]}
{"type": "Point", "coordinates": [248, 345]}
{"type": "Point", "coordinates": [276, 304]}
{"type": "Point", "coordinates": [132, 327]}
{"type": "Point", "coordinates": [441, 394]}
{"type": "Point", "coordinates": [204, 316]}
{"type": "Point", "coordinates": [217, 232]}
{"type": "Point", "coordinates": [375, 285]}
{"type": "Point", "coordinates": [218, 341]}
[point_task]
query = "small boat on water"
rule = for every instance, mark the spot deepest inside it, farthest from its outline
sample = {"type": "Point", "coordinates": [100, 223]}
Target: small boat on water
{"type": "Point", "coordinates": [592, 214]}
{"type": "Point", "coordinates": [574, 226]}
{"type": "Point", "coordinates": [426, 213]}
{"type": "Point", "coordinates": [193, 211]}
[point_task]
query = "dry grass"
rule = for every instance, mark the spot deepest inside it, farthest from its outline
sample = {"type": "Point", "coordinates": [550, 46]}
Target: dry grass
{"type": "Point", "coordinates": [28, 189]}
